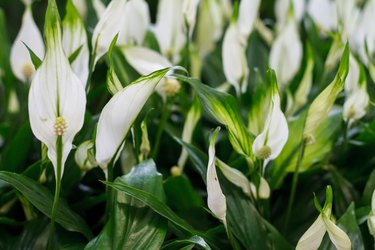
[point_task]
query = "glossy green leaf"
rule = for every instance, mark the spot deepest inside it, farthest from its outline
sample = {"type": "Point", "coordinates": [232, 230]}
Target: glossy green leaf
{"type": "Point", "coordinates": [42, 199]}
{"type": "Point", "coordinates": [223, 108]}
{"type": "Point", "coordinates": [179, 244]}
{"type": "Point", "coordinates": [34, 58]}
{"type": "Point", "coordinates": [133, 225]}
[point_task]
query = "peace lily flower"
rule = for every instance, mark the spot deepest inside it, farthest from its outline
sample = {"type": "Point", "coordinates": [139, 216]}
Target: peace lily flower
{"type": "Point", "coordinates": [268, 144]}
{"type": "Point", "coordinates": [324, 14]}
{"type": "Point", "coordinates": [109, 25]}
{"type": "Point", "coordinates": [135, 24]}
{"type": "Point", "coordinates": [371, 217]}
{"type": "Point", "coordinates": [189, 10]}
{"type": "Point", "coordinates": [263, 190]}
{"type": "Point", "coordinates": [84, 156]}
{"type": "Point", "coordinates": [283, 9]}
{"type": "Point", "coordinates": [112, 127]}
{"type": "Point", "coordinates": [81, 7]}
{"type": "Point", "coordinates": [234, 58]}
{"type": "Point", "coordinates": [235, 42]}
{"type": "Point", "coordinates": [13, 103]}
{"type": "Point", "coordinates": [210, 24]}
{"type": "Point", "coordinates": [99, 8]}
{"type": "Point", "coordinates": [357, 100]}
{"type": "Point", "coordinates": [75, 40]}
{"type": "Point", "coordinates": [29, 35]}
{"type": "Point", "coordinates": [216, 200]}
{"type": "Point", "coordinates": [313, 237]}
{"type": "Point", "coordinates": [146, 61]}
{"type": "Point", "coordinates": [169, 28]}
{"type": "Point", "coordinates": [286, 53]}
{"type": "Point", "coordinates": [57, 98]}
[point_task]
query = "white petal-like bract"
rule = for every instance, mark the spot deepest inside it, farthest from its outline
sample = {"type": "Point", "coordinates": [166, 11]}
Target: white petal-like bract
{"type": "Point", "coordinates": [286, 54]}
{"type": "Point", "coordinates": [108, 27]}
{"type": "Point", "coordinates": [216, 200]}
{"type": "Point", "coordinates": [74, 38]}
{"type": "Point", "coordinates": [312, 238]}
{"type": "Point", "coordinates": [135, 23]}
{"type": "Point", "coordinates": [234, 58]}
{"type": "Point", "coordinates": [248, 13]}
{"type": "Point", "coordinates": [119, 114]}
{"type": "Point", "coordinates": [29, 35]}
{"type": "Point", "coordinates": [338, 237]}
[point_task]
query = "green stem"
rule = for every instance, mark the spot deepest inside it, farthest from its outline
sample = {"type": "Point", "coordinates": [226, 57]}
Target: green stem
{"type": "Point", "coordinates": [163, 122]}
{"type": "Point", "coordinates": [59, 148]}
{"type": "Point", "coordinates": [109, 190]}
{"type": "Point", "coordinates": [294, 186]}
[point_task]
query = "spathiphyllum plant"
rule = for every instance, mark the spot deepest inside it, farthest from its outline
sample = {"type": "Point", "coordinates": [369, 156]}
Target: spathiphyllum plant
{"type": "Point", "coordinates": [187, 124]}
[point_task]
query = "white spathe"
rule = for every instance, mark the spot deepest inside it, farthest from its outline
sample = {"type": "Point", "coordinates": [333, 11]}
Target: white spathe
{"type": "Point", "coordinates": [30, 35]}
{"type": "Point", "coordinates": [57, 99]}
{"type": "Point", "coordinates": [286, 54]}
{"type": "Point", "coordinates": [313, 237]}
{"type": "Point", "coordinates": [324, 14]}
{"type": "Point", "coordinates": [189, 10]}
{"type": "Point", "coordinates": [216, 200]}
{"type": "Point", "coordinates": [109, 25]}
{"type": "Point", "coordinates": [99, 8]}
{"type": "Point", "coordinates": [269, 143]}
{"type": "Point", "coordinates": [282, 11]}
{"type": "Point", "coordinates": [146, 61]}
{"type": "Point", "coordinates": [136, 23]}
{"type": "Point", "coordinates": [119, 114]}
{"type": "Point", "coordinates": [248, 13]}
{"type": "Point", "coordinates": [352, 79]}
{"type": "Point", "coordinates": [356, 104]}
{"type": "Point", "coordinates": [169, 28]}
{"type": "Point", "coordinates": [81, 7]}
{"type": "Point", "coordinates": [75, 37]}
{"type": "Point", "coordinates": [234, 58]}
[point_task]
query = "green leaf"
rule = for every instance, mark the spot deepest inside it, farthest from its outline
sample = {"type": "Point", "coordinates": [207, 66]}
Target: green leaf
{"type": "Point", "coordinates": [16, 153]}
{"type": "Point", "coordinates": [74, 55]}
{"type": "Point", "coordinates": [132, 225]}
{"type": "Point", "coordinates": [277, 240]}
{"type": "Point", "coordinates": [243, 219]}
{"type": "Point", "coordinates": [223, 108]}
{"type": "Point", "coordinates": [179, 244]}
{"type": "Point", "coordinates": [34, 58]}
{"type": "Point", "coordinates": [42, 199]}
{"type": "Point", "coordinates": [154, 203]}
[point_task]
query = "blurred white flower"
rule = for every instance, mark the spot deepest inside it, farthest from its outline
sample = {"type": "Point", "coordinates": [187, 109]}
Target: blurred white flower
{"type": "Point", "coordinates": [352, 79]}
{"type": "Point", "coordinates": [99, 8]}
{"type": "Point", "coordinates": [135, 24]}
{"type": "Point", "coordinates": [285, 8]}
{"type": "Point", "coordinates": [189, 10]}
{"type": "Point", "coordinates": [109, 25]}
{"type": "Point", "coordinates": [286, 54]}
{"type": "Point", "coordinates": [357, 101]}
{"type": "Point", "coordinates": [234, 58]}
{"type": "Point", "coordinates": [264, 190]}
{"type": "Point", "coordinates": [323, 13]}
{"type": "Point", "coordinates": [146, 61]}
{"type": "Point", "coordinates": [74, 38]}
{"type": "Point", "coordinates": [268, 144]}
{"type": "Point", "coordinates": [81, 6]}
{"type": "Point", "coordinates": [29, 35]}
{"type": "Point", "coordinates": [169, 28]}
{"type": "Point", "coordinates": [57, 99]}
{"type": "Point", "coordinates": [210, 25]}
{"type": "Point", "coordinates": [112, 127]}
{"type": "Point", "coordinates": [247, 14]}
